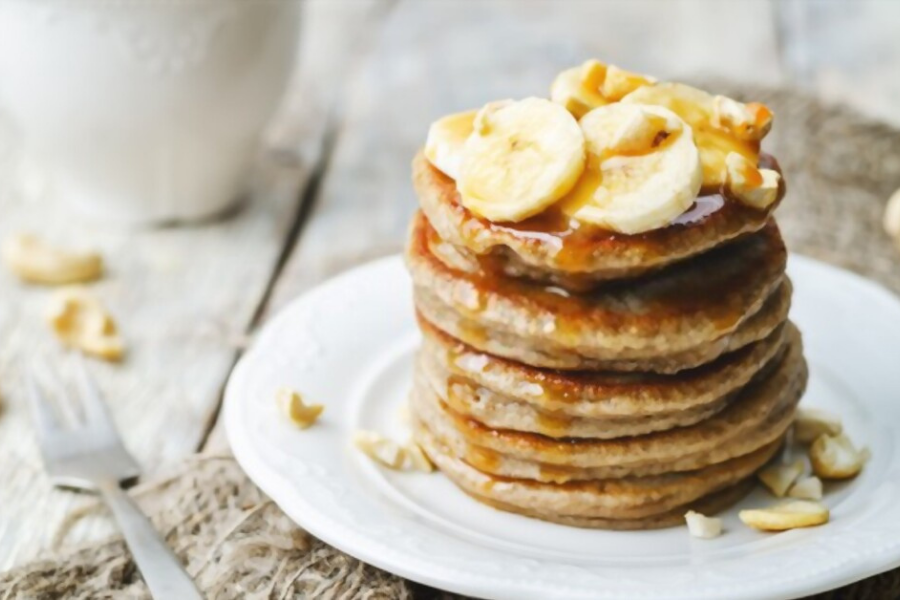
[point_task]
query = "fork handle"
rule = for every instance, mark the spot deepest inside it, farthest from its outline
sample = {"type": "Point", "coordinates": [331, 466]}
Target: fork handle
{"type": "Point", "coordinates": [162, 571]}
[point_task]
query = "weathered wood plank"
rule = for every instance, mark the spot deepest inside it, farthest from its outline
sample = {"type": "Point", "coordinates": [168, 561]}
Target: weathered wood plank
{"type": "Point", "coordinates": [184, 298]}
{"type": "Point", "coordinates": [336, 37]}
{"type": "Point", "coordinates": [436, 57]}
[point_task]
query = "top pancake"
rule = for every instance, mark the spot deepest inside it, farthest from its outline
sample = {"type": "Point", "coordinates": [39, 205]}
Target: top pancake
{"type": "Point", "coordinates": [697, 304]}
{"type": "Point", "coordinates": [548, 248]}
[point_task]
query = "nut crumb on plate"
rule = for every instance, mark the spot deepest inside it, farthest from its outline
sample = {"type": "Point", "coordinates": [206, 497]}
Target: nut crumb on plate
{"type": "Point", "coordinates": [807, 488]}
{"type": "Point", "coordinates": [790, 515]}
{"type": "Point", "coordinates": [779, 478]}
{"type": "Point", "coordinates": [835, 457]}
{"type": "Point", "coordinates": [701, 526]}
{"type": "Point", "coordinates": [810, 423]}
{"type": "Point", "coordinates": [296, 410]}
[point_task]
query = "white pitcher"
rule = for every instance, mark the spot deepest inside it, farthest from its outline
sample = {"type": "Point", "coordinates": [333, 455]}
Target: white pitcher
{"type": "Point", "coordinates": [144, 111]}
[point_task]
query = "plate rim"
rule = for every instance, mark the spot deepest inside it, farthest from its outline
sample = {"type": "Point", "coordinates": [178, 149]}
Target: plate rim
{"type": "Point", "coordinates": [280, 488]}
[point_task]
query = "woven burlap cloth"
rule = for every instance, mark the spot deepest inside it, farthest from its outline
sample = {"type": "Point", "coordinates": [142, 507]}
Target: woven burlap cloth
{"type": "Point", "coordinates": [840, 168]}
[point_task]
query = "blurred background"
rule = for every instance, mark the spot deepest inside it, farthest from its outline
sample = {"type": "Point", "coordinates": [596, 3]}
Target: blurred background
{"type": "Point", "coordinates": [331, 186]}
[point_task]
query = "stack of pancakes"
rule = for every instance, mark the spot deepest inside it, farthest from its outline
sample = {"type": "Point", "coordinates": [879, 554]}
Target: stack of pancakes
{"type": "Point", "coordinates": [596, 379]}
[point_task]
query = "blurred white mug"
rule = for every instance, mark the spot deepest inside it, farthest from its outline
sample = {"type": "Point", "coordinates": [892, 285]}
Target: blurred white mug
{"type": "Point", "coordinates": [144, 111]}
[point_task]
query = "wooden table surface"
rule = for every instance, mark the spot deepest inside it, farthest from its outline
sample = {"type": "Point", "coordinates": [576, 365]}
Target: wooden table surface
{"type": "Point", "coordinates": [333, 189]}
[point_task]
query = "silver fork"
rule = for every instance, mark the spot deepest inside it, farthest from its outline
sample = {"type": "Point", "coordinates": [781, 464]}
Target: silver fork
{"type": "Point", "coordinates": [88, 454]}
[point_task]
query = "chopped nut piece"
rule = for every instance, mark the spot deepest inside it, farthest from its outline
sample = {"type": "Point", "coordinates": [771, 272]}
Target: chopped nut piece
{"type": "Point", "coordinates": [745, 121]}
{"type": "Point", "coordinates": [418, 460]}
{"type": "Point", "coordinates": [835, 457]}
{"type": "Point", "coordinates": [778, 478]}
{"type": "Point", "coordinates": [299, 413]}
{"type": "Point", "coordinates": [701, 526]}
{"type": "Point", "coordinates": [757, 188]}
{"type": "Point", "coordinates": [810, 423]}
{"type": "Point", "coordinates": [35, 261]}
{"type": "Point", "coordinates": [80, 321]}
{"type": "Point", "coordinates": [619, 82]}
{"type": "Point", "coordinates": [808, 488]}
{"type": "Point", "coordinates": [892, 217]}
{"type": "Point", "coordinates": [380, 449]}
{"type": "Point", "coordinates": [790, 515]}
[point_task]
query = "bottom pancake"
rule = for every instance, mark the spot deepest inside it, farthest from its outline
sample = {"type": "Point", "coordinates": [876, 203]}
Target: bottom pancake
{"type": "Point", "coordinates": [708, 505]}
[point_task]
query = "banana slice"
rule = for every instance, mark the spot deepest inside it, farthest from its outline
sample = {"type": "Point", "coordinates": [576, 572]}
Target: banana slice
{"type": "Point", "coordinates": [593, 84]}
{"type": "Point", "coordinates": [578, 88]}
{"type": "Point", "coordinates": [618, 83]}
{"type": "Point", "coordinates": [791, 515]}
{"type": "Point", "coordinates": [521, 158]}
{"type": "Point", "coordinates": [643, 169]}
{"type": "Point", "coordinates": [446, 137]}
{"type": "Point", "coordinates": [835, 457]}
{"type": "Point", "coordinates": [698, 109]}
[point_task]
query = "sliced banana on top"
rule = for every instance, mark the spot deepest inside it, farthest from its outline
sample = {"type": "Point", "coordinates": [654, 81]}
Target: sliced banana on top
{"type": "Point", "coordinates": [583, 88]}
{"type": "Point", "coordinates": [618, 83]}
{"type": "Point", "coordinates": [446, 137]}
{"type": "Point", "coordinates": [757, 188]}
{"type": "Point", "coordinates": [716, 134]}
{"type": "Point", "coordinates": [750, 121]}
{"type": "Point", "coordinates": [578, 88]}
{"type": "Point", "coordinates": [643, 169]}
{"type": "Point", "coordinates": [520, 158]}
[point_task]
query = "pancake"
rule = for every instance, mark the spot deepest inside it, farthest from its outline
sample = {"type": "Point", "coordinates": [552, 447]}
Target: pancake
{"type": "Point", "coordinates": [547, 247]}
{"type": "Point", "coordinates": [681, 317]}
{"type": "Point", "coordinates": [761, 414]}
{"type": "Point", "coordinates": [708, 505]}
{"type": "Point", "coordinates": [501, 412]}
{"type": "Point", "coordinates": [547, 354]}
{"type": "Point", "coordinates": [629, 498]}
{"type": "Point", "coordinates": [596, 395]}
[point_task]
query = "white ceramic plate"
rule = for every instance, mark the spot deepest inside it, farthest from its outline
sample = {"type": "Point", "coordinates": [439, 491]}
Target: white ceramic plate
{"type": "Point", "coordinates": [349, 344]}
